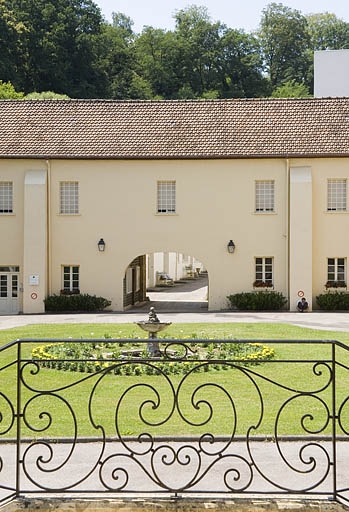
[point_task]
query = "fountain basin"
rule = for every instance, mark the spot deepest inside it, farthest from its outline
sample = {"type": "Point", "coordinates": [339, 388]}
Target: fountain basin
{"type": "Point", "coordinates": [153, 327]}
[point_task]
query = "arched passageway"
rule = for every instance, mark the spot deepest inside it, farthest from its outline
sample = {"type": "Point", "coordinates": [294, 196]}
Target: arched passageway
{"type": "Point", "coordinates": [173, 282]}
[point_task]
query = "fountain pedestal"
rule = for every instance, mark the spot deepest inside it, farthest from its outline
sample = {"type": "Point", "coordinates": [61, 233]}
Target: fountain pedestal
{"type": "Point", "coordinates": [152, 326]}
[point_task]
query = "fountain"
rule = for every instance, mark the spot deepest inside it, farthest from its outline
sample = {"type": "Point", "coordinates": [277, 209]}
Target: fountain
{"type": "Point", "coordinates": [152, 326]}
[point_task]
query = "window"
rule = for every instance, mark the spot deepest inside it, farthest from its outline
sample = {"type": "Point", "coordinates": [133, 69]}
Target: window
{"type": "Point", "coordinates": [129, 280]}
{"type": "Point", "coordinates": [264, 273]}
{"type": "Point", "coordinates": [6, 197]}
{"type": "Point", "coordinates": [166, 197]}
{"type": "Point", "coordinates": [69, 197]}
{"type": "Point", "coordinates": [265, 196]}
{"type": "Point", "coordinates": [336, 272]}
{"type": "Point", "coordinates": [337, 195]}
{"type": "Point", "coordinates": [71, 279]}
{"type": "Point", "coordinates": [9, 269]}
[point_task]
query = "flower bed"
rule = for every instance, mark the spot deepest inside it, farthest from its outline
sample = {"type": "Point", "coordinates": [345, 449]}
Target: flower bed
{"type": "Point", "coordinates": [118, 359]}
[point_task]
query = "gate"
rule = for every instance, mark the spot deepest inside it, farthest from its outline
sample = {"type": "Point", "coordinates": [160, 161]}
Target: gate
{"type": "Point", "coordinates": [204, 418]}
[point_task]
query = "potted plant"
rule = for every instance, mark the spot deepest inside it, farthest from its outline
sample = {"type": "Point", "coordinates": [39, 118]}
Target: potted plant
{"type": "Point", "coordinates": [262, 284]}
{"type": "Point", "coordinates": [335, 284]}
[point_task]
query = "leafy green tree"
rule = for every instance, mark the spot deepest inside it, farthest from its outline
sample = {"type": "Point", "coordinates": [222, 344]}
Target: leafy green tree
{"type": "Point", "coordinates": [7, 91]}
{"type": "Point", "coordinates": [240, 66]}
{"type": "Point", "coordinates": [119, 61]}
{"type": "Point", "coordinates": [60, 47]}
{"type": "Point", "coordinates": [327, 32]}
{"type": "Point", "coordinates": [291, 89]}
{"type": "Point", "coordinates": [198, 45]}
{"type": "Point", "coordinates": [10, 29]}
{"type": "Point", "coordinates": [46, 95]}
{"type": "Point", "coordinates": [158, 57]}
{"type": "Point", "coordinates": [285, 41]}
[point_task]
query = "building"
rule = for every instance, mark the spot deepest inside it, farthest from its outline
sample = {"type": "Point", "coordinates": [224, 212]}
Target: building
{"type": "Point", "coordinates": [331, 73]}
{"type": "Point", "coordinates": [143, 177]}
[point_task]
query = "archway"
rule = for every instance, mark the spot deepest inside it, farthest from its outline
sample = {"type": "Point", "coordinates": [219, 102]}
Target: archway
{"type": "Point", "coordinates": [172, 282]}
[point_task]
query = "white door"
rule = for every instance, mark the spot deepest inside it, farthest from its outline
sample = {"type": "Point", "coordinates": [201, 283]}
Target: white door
{"type": "Point", "coordinates": [9, 293]}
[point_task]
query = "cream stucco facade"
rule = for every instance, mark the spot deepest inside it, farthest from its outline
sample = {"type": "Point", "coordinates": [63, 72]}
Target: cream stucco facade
{"type": "Point", "coordinates": [215, 202]}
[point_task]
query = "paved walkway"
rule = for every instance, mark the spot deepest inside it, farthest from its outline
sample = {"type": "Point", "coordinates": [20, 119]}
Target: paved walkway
{"type": "Point", "coordinates": [315, 320]}
{"type": "Point", "coordinates": [185, 303]}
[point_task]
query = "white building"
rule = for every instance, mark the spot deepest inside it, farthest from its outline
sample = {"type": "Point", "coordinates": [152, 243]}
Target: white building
{"type": "Point", "coordinates": [331, 73]}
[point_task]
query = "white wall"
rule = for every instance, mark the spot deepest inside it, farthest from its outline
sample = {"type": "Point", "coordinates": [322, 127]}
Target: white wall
{"type": "Point", "coordinates": [331, 73]}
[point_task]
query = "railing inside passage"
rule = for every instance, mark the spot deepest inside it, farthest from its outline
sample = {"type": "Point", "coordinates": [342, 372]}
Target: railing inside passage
{"type": "Point", "coordinates": [201, 418]}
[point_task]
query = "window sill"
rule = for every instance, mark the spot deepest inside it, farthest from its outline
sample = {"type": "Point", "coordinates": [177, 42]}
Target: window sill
{"type": "Point", "coordinates": [263, 288]}
{"type": "Point", "coordinates": [331, 212]}
{"type": "Point", "coordinates": [69, 214]}
{"type": "Point", "coordinates": [7, 214]}
{"type": "Point", "coordinates": [159, 214]}
{"type": "Point", "coordinates": [264, 213]}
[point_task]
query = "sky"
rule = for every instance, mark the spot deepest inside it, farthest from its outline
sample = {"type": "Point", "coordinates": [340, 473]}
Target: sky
{"type": "Point", "coordinates": [237, 14]}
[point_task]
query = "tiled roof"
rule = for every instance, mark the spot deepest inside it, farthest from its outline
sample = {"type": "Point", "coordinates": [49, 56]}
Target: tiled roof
{"type": "Point", "coordinates": [174, 129]}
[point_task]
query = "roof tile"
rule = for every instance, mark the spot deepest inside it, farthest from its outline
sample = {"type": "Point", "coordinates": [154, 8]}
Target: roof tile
{"type": "Point", "coordinates": [174, 129]}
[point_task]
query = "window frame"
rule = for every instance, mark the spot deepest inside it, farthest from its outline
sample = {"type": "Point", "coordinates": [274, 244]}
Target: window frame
{"type": "Point", "coordinates": [264, 199]}
{"type": "Point", "coordinates": [263, 272]}
{"type": "Point", "coordinates": [336, 272]}
{"type": "Point", "coordinates": [69, 276]}
{"type": "Point", "coordinates": [69, 197]}
{"type": "Point", "coordinates": [335, 196]}
{"type": "Point", "coordinates": [166, 199]}
{"type": "Point", "coordinates": [6, 197]}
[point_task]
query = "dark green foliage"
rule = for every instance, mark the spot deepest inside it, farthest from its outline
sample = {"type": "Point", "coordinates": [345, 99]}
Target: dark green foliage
{"type": "Point", "coordinates": [333, 301]}
{"type": "Point", "coordinates": [57, 47]}
{"type": "Point", "coordinates": [257, 301]}
{"type": "Point", "coordinates": [285, 42]}
{"type": "Point", "coordinates": [79, 302]}
{"type": "Point", "coordinates": [67, 47]}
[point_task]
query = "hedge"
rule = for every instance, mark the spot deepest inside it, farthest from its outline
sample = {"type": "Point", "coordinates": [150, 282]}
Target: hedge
{"type": "Point", "coordinates": [333, 301]}
{"type": "Point", "coordinates": [80, 302]}
{"type": "Point", "coordinates": [257, 301]}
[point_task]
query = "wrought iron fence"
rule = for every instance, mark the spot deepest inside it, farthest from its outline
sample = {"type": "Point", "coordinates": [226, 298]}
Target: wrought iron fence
{"type": "Point", "coordinates": [203, 417]}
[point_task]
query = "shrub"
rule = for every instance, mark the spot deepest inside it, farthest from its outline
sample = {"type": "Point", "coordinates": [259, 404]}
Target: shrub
{"type": "Point", "coordinates": [257, 301]}
{"type": "Point", "coordinates": [80, 302]}
{"type": "Point", "coordinates": [333, 301]}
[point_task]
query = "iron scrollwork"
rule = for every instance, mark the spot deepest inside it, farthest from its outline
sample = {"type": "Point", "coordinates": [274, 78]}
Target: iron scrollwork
{"type": "Point", "coordinates": [190, 434]}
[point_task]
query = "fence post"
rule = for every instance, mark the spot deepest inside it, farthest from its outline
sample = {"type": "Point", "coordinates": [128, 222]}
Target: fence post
{"type": "Point", "coordinates": [334, 421]}
{"type": "Point", "coordinates": [18, 417]}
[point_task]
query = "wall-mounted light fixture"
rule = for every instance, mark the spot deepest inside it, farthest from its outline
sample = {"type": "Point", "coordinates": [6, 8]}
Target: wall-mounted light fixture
{"type": "Point", "coordinates": [101, 245]}
{"type": "Point", "coordinates": [231, 247]}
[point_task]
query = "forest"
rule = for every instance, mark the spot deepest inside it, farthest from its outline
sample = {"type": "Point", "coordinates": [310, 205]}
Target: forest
{"type": "Point", "coordinates": [65, 48]}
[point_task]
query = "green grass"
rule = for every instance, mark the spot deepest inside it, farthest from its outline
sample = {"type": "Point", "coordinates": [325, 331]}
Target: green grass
{"type": "Point", "coordinates": [235, 411]}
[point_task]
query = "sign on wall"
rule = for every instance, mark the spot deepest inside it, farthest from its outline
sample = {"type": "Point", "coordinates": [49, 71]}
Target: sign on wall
{"type": "Point", "coordinates": [34, 279]}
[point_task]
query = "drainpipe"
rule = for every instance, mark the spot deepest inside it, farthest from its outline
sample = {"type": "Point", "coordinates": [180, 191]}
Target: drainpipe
{"type": "Point", "coordinates": [287, 235]}
{"type": "Point", "coordinates": [48, 229]}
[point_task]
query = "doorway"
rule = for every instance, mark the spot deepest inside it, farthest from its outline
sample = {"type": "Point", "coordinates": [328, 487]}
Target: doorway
{"type": "Point", "coordinates": [9, 290]}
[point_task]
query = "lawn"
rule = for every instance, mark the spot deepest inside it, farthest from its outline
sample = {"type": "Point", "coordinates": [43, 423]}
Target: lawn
{"type": "Point", "coordinates": [220, 402]}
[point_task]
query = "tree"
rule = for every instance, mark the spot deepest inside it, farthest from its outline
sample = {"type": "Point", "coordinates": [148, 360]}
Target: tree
{"type": "Point", "coordinates": [198, 43]}
{"type": "Point", "coordinates": [285, 42]}
{"type": "Point", "coordinates": [159, 63]}
{"type": "Point", "coordinates": [291, 89]}
{"type": "Point", "coordinates": [240, 66]}
{"type": "Point", "coordinates": [60, 47]}
{"type": "Point", "coordinates": [10, 29]}
{"type": "Point", "coordinates": [327, 32]}
{"type": "Point", "coordinates": [119, 61]}
{"type": "Point", "coordinates": [46, 95]}
{"type": "Point", "coordinates": [7, 91]}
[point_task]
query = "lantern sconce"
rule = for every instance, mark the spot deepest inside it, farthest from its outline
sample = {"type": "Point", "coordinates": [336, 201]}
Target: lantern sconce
{"type": "Point", "coordinates": [231, 247]}
{"type": "Point", "coordinates": [101, 245]}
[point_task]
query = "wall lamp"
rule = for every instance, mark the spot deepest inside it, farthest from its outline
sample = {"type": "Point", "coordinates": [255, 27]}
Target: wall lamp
{"type": "Point", "coordinates": [101, 245]}
{"type": "Point", "coordinates": [231, 247]}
